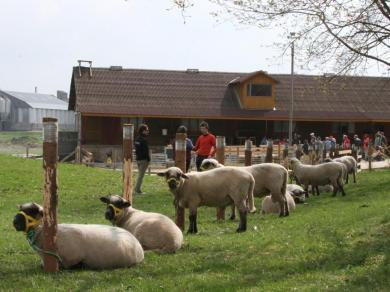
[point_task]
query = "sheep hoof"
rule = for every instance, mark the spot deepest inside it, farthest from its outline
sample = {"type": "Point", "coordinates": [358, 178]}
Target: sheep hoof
{"type": "Point", "coordinates": [232, 217]}
{"type": "Point", "coordinates": [239, 230]}
{"type": "Point", "coordinates": [253, 211]}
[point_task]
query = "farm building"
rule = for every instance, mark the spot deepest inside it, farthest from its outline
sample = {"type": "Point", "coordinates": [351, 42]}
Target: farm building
{"type": "Point", "coordinates": [236, 105]}
{"type": "Point", "coordinates": [24, 111]}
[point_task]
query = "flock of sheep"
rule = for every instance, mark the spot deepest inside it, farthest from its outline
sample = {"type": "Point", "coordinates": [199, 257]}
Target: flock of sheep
{"type": "Point", "coordinates": [123, 245]}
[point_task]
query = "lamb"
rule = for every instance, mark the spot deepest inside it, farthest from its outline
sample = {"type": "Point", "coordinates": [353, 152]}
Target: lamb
{"type": "Point", "coordinates": [92, 246]}
{"type": "Point", "coordinates": [297, 192]}
{"type": "Point", "coordinates": [319, 175]}
{"type": "Point", "coordinates": [268, 206]}
{"type": "Point", "coordinates": [350, 164]}
{"type": "Point", "coordinates": [219, 187]}
{"type": "Point", "coordinates": [154, 231]}
{"type": "Point", "coordinates": [270, 178]}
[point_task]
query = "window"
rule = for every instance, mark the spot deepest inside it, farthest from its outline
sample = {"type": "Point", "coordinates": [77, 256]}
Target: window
{"type": "Point", "coordinates": [259, 89]}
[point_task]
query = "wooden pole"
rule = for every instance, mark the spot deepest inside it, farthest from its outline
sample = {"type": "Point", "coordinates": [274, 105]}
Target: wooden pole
{"type": "Point", "coordinates": [127, 169]}
{"type": "Point", "coordinates": [248, 152]}
{"type": "Point", "coordinates": [50, 196]}
{"type": "Point", "coordinates": [180, 162]}
{"type": "Point", "coordinates": [370, 152]}
{"type": "Point", "coordinates": [220, 153]}
{"type": "Point", "coordinates": [268, 157]}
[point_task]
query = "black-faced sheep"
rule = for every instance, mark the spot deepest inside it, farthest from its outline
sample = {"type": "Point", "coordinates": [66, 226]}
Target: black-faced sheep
{"type": "Point", "coordinates": [270, 178]}
{"type": "Point", "coordinates": [219, 187]}
{"type": "Point", "coordinates": [319, 175]}
{"type": "Point", "coordinates": [92, 246]}
{"type": "Point", "coordinates": [154, 231]}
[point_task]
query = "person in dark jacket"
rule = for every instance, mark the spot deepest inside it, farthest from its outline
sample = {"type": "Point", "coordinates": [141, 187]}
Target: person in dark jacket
{"type": "Point", "coordinates": [142, 156]}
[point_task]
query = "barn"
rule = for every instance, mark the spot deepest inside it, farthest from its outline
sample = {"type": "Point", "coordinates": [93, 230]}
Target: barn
{"type": "Point", "coordinates": [23, 111]}
{"type": "Point", "coordinates": [236, 105]}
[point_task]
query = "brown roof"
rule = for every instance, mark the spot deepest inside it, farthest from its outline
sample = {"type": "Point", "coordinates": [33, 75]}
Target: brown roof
{"type": "Point", "coordinates": [163, 93]}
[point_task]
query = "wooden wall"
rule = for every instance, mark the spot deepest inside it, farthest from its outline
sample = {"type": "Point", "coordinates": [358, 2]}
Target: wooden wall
{"type": "Point", "coordinates": [257, 102]}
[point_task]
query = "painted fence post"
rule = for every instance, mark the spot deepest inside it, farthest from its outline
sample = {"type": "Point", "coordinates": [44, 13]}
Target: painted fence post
{"type": "Point", "coordinates": [180, 162]}
{"type": "Point", "coordinates": [127, 169]}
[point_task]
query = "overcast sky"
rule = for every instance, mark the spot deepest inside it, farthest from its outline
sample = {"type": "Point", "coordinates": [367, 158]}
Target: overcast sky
{"type": "Point", "coordinates": [42, 39]}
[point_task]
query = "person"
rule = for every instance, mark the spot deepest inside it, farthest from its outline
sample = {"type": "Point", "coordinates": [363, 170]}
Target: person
{"type": "Point", "coordinates": [305, 147]}
{"type": "Point", "coordinates": [366, 144]}
{"type": "Point", "coordinates": [346, 142]}
{"type": "Point", "coordinates": [142, 156]}
{"type": "Point", "coordinates": [205, 146]}
{"type": "Point", "coordinates": [327, 144]}
{"type": "Point", "coordinates": [189, 147]}
{"type": "Point", "coordinates": [312, 139]}
{"type": "Point", "coordinates": [357, 142]}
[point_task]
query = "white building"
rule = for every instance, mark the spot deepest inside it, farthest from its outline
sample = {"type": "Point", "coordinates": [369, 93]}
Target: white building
{"type": "Point", "coordinates": [24, 111]}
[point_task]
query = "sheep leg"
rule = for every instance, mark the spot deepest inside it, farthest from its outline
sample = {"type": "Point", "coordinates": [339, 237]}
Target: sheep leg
{"type": "Point", "coordinates": [346, 181]}
{"type": "Point", "coordinates": [318, 191]}
{"type": "Point", "coordinates": [286, 210]}
{"type": "Point", "coordinates": [306, 191]}
{"type": "Point", "coordinates": [354, 177]}
{"type": "Point", "coordinates": [243, 220]}
{"type": "Point", "coordinates": [341, 188]}
{"type": "Point", "coordinates": [192, 218]}
{"type": "Point", "coordinates": [233, 214]}
{"type": "Point", "coordinates": [312, 190]}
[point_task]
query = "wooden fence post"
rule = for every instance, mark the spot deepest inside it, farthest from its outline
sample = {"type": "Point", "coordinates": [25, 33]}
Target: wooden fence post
{"type": "Point", "coordinates": [268, 156]}
{"type": "Point", "coordinates": [220, 155]}
{"type": "Point", "coordinates": [127, 169]}
{"type": "Point", "coordinates": [248, 152]}
{"type": "Point", "coordinates": [370, 152]}
{"type": "Point", "coordinates": [180, 162]}
{"type": "Point", "coordinates": [50, 196]}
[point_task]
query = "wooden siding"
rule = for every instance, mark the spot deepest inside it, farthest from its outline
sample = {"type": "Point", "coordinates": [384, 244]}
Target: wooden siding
{"type": "Point", "coordinates": [257, 102]}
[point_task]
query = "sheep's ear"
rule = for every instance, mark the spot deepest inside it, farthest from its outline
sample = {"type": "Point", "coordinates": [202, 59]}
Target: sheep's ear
{"type": "Point", "coordinates": [162, 173]}
{"type": "Point", "coordinates": [183, 175]}
{"type": "Point", "coordinates": [40, 211]}
{"type": "Point", "coordinates": [125, 204]}
{"type": "Point", "coordinates": [105, 199]}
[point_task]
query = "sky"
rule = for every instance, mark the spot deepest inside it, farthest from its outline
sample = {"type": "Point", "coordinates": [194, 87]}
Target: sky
{"type": "Point", "coordinates": [41, 40]}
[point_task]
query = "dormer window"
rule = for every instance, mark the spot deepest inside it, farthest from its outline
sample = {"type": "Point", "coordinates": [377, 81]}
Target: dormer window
{"type": "Point", "coordinates": [258, 89]}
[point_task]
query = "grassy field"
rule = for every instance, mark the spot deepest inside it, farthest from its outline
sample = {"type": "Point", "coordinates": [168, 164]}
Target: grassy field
{"type": "Point", "coordinates": [15, 142]}
{"type": "Point", "coordinates": [335, 244]}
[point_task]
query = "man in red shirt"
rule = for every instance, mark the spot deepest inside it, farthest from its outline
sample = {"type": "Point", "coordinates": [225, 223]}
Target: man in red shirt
{"type": "Point", "coordinates": [205, 145]}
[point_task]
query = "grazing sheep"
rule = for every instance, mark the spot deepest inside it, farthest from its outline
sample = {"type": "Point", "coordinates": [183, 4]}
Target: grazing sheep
{"type": "Point", "coordinates": [297, 192]}
{"type": "Point", "coordinates": [350, 164]}
{"type": "Point", "coordinates": [154, 231]}
{"type": "Point", "coordinates": [92, 246]}
{"type": "Point", "coordinates": [270, 178]}
{"type": "Point", "coordinates": [319, 175]}
{"type": "Point", "coordinates": [268, 206]}
{"type": "Point", "coordinates": [219, 187]}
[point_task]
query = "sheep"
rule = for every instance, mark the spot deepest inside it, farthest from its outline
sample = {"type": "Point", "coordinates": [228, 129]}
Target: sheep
{"type": "Point", "coordinates": [297, 192]}
{"type": "Point", "coordinates": [350, 164]}
{"type": "Point", "coordinates": [154, 231]}
{"type": "Point", "coordinates": [219, 187]}
{"type": "Point", "coordinates": [319, 175]}
{"type": "Point", "coordinates": [270, 178]}
{"type": "Point", "coordinates": [268, 206]}
{"type": "Point", "coordinates": [322, 189]}
{"type": "Point", "coordinates": [88, 245]}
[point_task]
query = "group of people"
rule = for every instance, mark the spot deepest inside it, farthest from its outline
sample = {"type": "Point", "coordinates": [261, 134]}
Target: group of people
{"type": "Point", "coordinates": [205, 147]}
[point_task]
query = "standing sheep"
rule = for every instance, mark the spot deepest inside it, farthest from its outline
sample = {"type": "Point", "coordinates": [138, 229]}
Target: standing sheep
{"type": "Point", "coordinates": [270, 178]}
{"type": "Point", "coordinates": [92, 246]}
{"type": "Point", "coordinates": [154, 231]}
{"type": "Point", "coordinates": [268, 206]}
{"type": "Point", "coordinates": [350, 164]}
{"type": "Point", "coordinates": [319, 175]}
{"type": "Point", "coordinates": [219, 187]}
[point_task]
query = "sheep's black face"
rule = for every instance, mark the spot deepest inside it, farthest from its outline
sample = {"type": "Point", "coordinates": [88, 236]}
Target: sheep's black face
{"type": "Point", "coordinates": [173, 183]}
{"type": "Point", "coordinates": [115, 206]}
{"type": "Point", "coordinates": [109, 214]}
{"type": "Point", "coordinates": [19, 222]}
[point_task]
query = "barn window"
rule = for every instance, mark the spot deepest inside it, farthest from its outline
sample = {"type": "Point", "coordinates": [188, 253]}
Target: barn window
{"type": "Point", "coordinates": [259, 89]}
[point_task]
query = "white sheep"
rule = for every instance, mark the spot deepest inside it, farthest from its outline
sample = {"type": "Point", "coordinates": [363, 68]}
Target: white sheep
{"type": "Point", "coordinates": [319, 175]}
{"type": "Point", "coordinates": [297, 192]}
{"type": "Point", "coordinates": [219, 187]}
{"type": "Point", "coordinates": [270, 178]}
{"type": "Point", "coordinates": [154, 231]}
{"type": "Point", "coordinates": [268, 206]}
{"type": "Point", "coordinates": [351, 166]}
{"type": "Point", "coordinates": [92, 246]}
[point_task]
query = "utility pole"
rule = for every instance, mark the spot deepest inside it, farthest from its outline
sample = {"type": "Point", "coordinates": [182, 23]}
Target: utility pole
{"type": "Point", "coordinates": [291, 112]}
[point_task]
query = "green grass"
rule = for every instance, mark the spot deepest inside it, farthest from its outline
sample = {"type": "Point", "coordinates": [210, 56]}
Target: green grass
{"type": "Point", "coordinates": [15, 142]}
{"type": "Point", "coordinates": [335, 244]}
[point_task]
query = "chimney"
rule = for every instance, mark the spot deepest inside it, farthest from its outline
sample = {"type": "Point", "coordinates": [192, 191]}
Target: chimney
{"type": "Point", "coordinates": [192, 70]}
{"type": "Point", "coordinates": [90, 66]}
{"type": "Point", "coordinates": [36, 89]}
{"type": "Point", "coordinates": [62, 95]}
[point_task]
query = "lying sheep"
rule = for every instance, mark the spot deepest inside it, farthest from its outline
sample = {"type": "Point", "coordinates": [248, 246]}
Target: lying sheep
{"type": "Point", "coordinates": [154, 231]}
{"type": "Point", "coordinates": [322, 189]}
{"type": "Point", "coordinates": [219, 187]}
{"type": "Point", "coordinates": [350, 164]}
{"type": "Point", "coordinates": [297, 192]}
{"type": "Point", "coordinates": [319, 175]}
{"type": "Point", "coordinates": [92, 246]}
{"type": "Point", "coordinates": [268, 206]}
{"type": "Point", "coordinates": [270, 178]}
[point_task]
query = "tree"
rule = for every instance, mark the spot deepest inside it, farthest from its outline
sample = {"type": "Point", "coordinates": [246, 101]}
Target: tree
{"type": "Point", "coordinates": [347, 35]}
